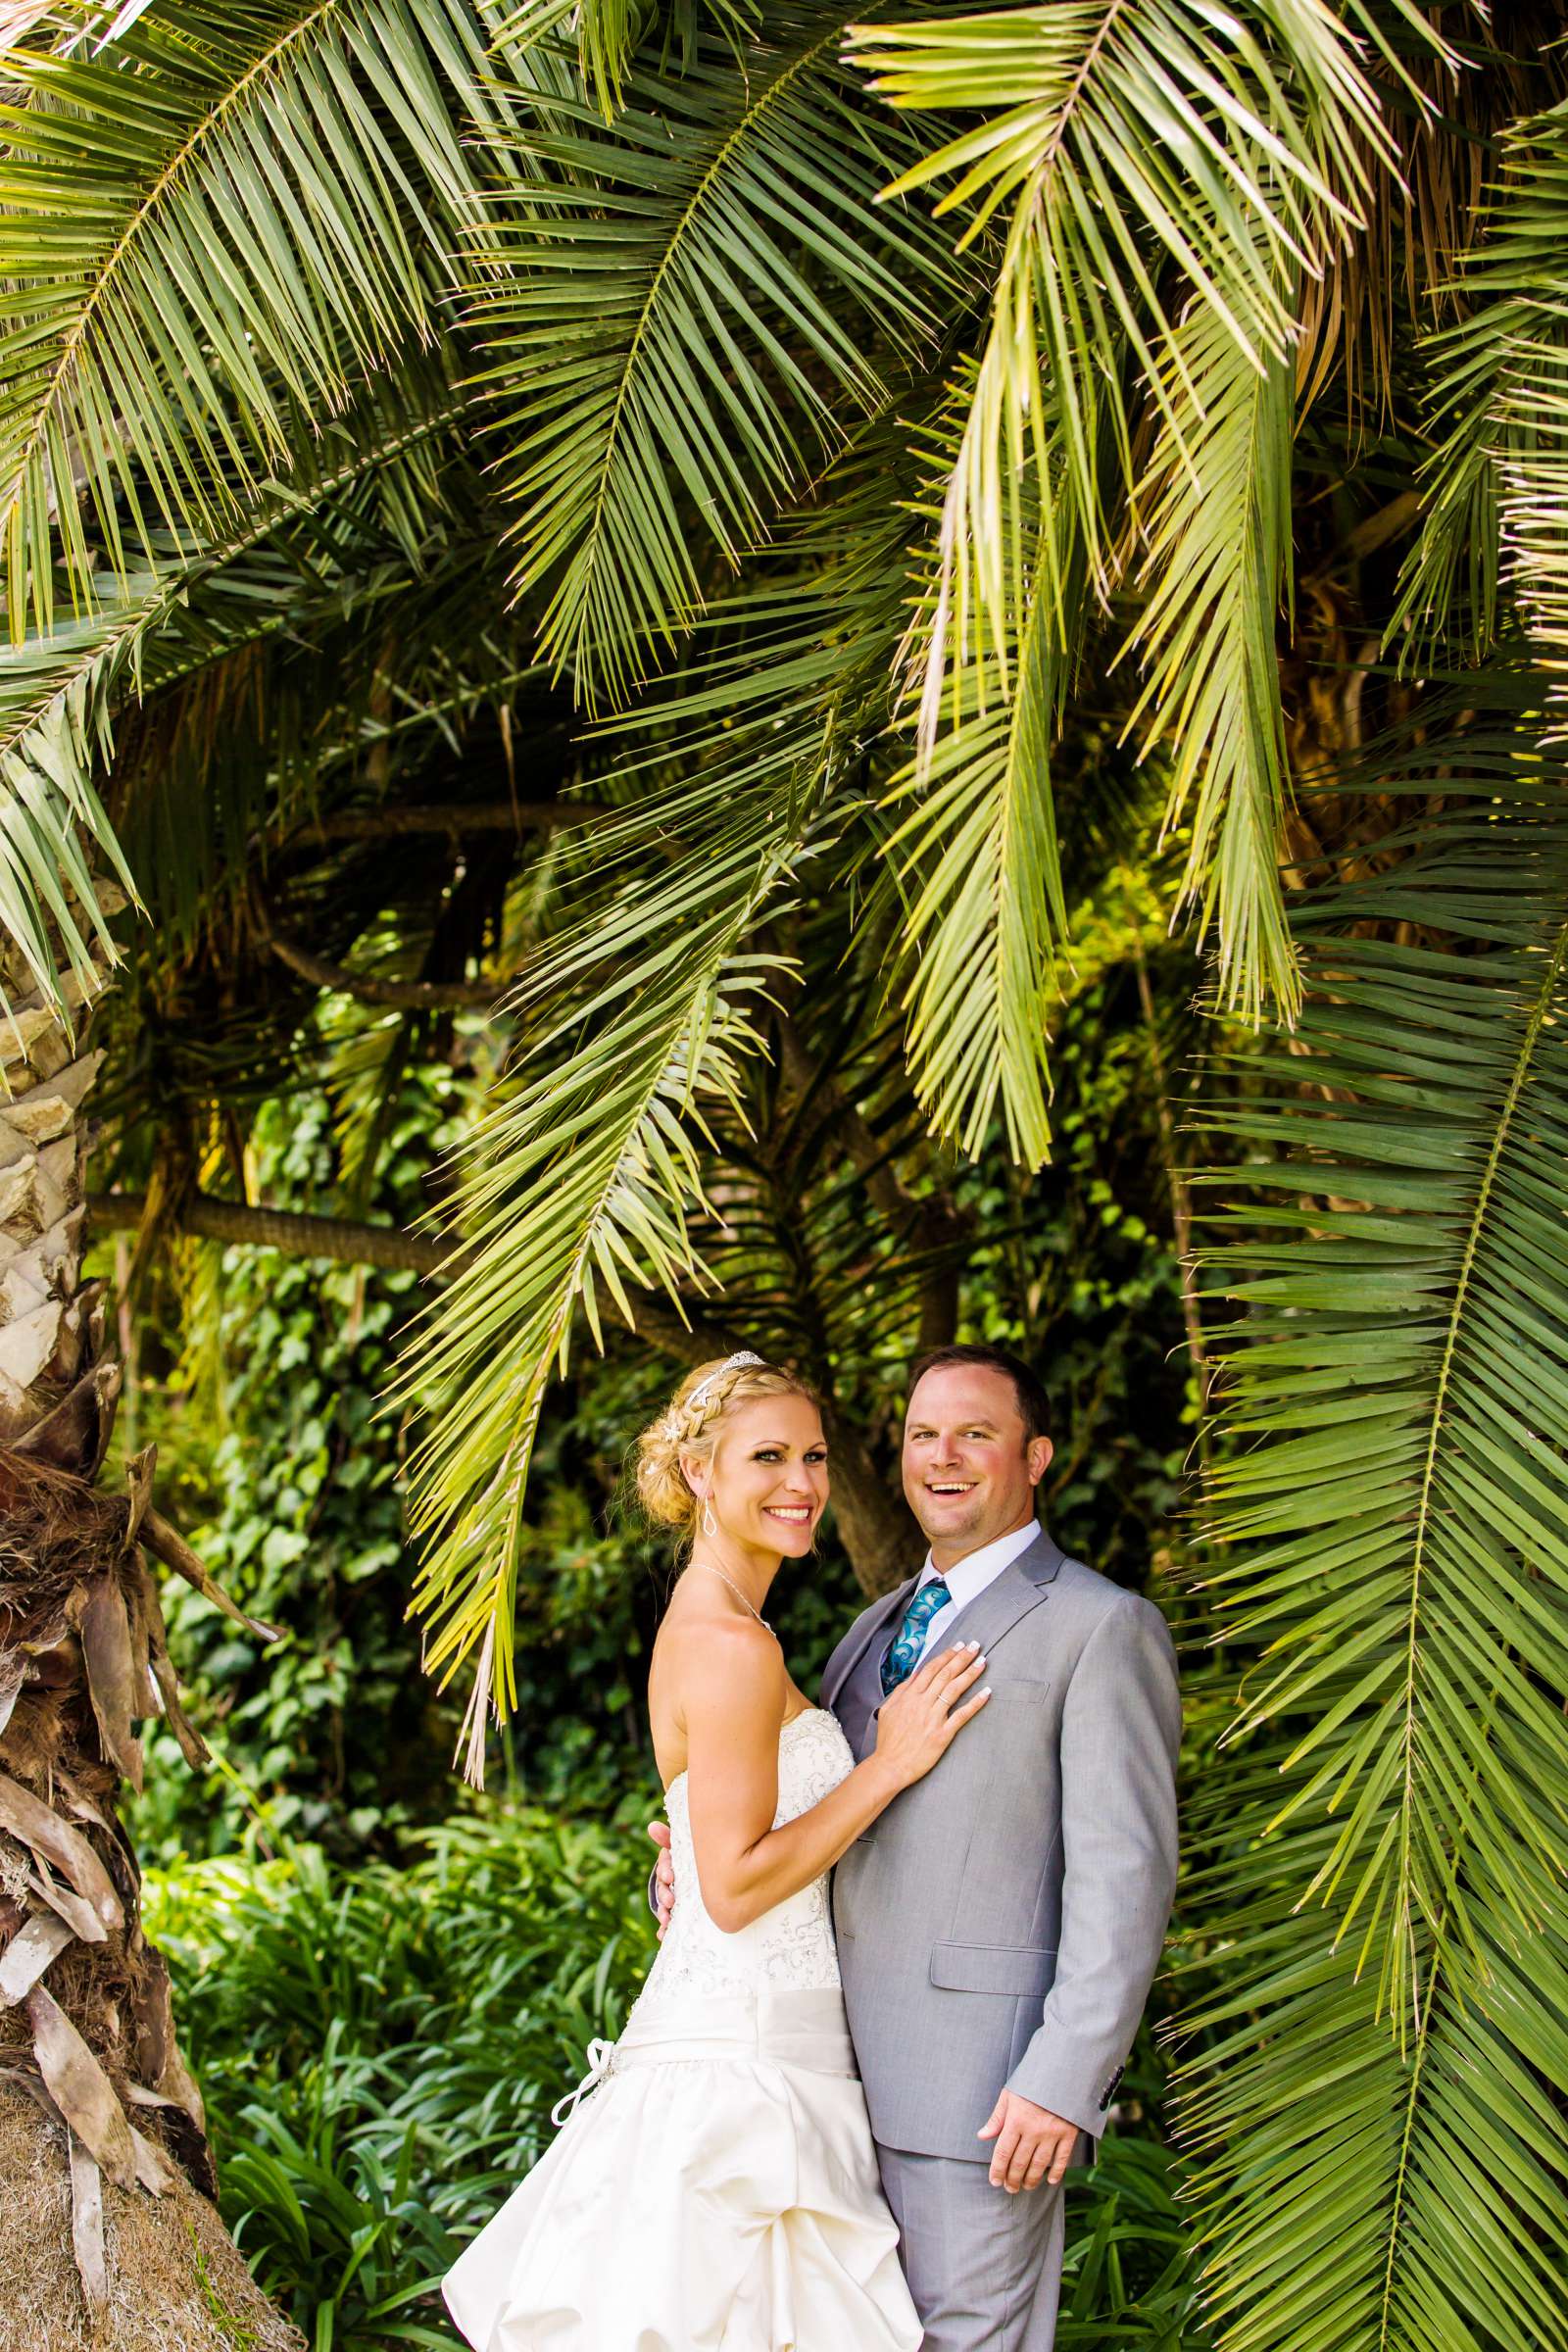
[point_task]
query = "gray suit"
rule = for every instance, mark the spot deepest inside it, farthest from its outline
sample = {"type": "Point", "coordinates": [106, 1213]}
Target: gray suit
{"type": "Point", "coordinates": [1001, 1923]}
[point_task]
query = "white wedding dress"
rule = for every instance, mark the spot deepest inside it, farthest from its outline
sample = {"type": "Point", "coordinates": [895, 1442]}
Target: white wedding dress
{"type": "Point", "coordinates": [715, 2187]}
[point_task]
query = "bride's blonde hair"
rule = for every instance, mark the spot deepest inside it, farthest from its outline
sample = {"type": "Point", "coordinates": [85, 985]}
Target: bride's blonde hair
{"type": "Point", "coordinates": [690, 1425]}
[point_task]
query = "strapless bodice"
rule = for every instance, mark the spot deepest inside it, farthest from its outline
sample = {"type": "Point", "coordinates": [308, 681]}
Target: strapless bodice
{"type": "Point", "coordinates": [790, 1947]}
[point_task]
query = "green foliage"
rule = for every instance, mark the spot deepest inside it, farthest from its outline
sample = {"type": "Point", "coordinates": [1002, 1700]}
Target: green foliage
{"type": "Point", "coordinates": [1118, 144]}
{"type": "Point", "coordinates": [726, 213]}
{"type": "Point", "coordinates": [1380, 2100]}
{"type": "Point", "coordinates": [1127, 2272]}
{"type": "Point", "coordinates": [50, 729]}
{"type": "Point", "coordinates": [588, 1597]}
{"type": "Point", "coordinates": [1498, 476]}
{"type": "Point", "coordinates": [242, 234]}
{"type": "Point", "coordinates": [357, 509]}
{"type": "Point", "coordinates": [1216, 569]}
{"type": "Point", "coordinates": [976, 853]}
{"type": "Point", "coordinates": [288, 1486]}
{"type": "Point", "coordinates": [607, 35]}
{"type": "Point", "coordinates": [379, 2050]}
{"type": "Point", "coordinates": [582, 1181]}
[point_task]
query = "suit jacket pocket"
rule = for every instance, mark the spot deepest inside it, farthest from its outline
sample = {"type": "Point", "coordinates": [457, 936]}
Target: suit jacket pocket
{"type": "Point", "coordinates": [1012, 1969]}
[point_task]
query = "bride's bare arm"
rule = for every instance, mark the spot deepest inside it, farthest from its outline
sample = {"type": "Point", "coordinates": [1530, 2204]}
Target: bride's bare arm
{"type": "Point", "coordinates": [735, 1691]}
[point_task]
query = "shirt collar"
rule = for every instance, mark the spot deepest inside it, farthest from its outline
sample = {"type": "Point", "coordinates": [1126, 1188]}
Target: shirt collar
{"type": "Point", "coordinates": [968, 1579]}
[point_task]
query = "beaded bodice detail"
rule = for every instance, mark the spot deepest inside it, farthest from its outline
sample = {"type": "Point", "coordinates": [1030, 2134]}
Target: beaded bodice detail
{"type": "Point", "coordinates": [789, 1949]}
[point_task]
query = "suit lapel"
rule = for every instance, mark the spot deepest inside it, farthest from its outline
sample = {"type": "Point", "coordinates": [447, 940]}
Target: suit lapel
{"type": "Point", "coordinates": [1021, 1586]}
{"type": "Point", "coordinates": [873, 1621]}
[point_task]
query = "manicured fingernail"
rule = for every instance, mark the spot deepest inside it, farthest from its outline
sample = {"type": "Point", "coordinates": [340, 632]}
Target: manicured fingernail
{"type": "Point", "coordinates": [974, 1644]}
{"type": "Point", "coordinates": [986, 1691]}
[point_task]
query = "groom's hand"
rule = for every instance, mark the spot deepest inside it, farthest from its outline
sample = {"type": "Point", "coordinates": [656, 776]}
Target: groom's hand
{"type": "Point", "coordinates": [663, 1875]}
{"type": "Point", "coordinates": [1032, 2143]}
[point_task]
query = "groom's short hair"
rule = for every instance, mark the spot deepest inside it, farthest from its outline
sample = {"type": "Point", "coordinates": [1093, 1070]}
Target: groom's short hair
{"type": "Point", "coordinates": [1033, 1409]}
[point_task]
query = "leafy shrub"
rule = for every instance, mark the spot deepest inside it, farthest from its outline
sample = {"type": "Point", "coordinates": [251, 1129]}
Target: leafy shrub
{"type": "Point", "coordinates": [275, 1464]}
{"type": "Point", "coordinates": [379, 2048]}
{"type": "Point", "coordinates": [1127, 2277]}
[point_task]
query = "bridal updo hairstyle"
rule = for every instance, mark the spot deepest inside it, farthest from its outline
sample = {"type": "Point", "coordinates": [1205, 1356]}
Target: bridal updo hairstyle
{"type": "Point", "coordinates": [690, 1424]}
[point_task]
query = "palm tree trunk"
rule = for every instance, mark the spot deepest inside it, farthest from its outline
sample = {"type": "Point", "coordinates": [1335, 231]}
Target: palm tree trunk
{"type": "Point", "coordinates": [108, 2233]}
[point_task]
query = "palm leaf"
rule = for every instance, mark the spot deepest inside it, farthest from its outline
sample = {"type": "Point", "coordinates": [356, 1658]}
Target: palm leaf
{"type": "Point", "coordinates": [975, 848]}
{"type": "Point", "coordinates": [585, 1173]}
{"type": "Point", "coordinates": [1381, 2101]}
{"type": "Point", "coordinates": [58, 691]}
{"type": "Point", "coordinates": [1137, 147]}
{"type": "Point", "coordinates": [1497, 479]}
{"type": "Point", "coordinates": [683, 317]}
{"type": "Point", "coordinates": [50, 814]}
{"type": "Point", "coordinates": [606, 34]}
{"type": "Point", "coordinates": [587, 1177]}
{"type": "Point", "coordinates": [214, 224]}
{"type": "Point", "coordinates": [1215, 567]}
{"type": "Point", "coordinates": [1165, 174]}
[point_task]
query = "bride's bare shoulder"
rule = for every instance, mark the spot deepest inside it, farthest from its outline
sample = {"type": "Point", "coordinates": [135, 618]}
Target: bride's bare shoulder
{"type": "Point", "coordinates": [711, 1653]}
{"type": "Point", "coordinates": [715, 1683]}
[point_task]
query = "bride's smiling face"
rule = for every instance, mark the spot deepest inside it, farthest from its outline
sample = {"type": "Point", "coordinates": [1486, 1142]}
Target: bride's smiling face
{"type": "Point", "coordinates": [768, 1475]}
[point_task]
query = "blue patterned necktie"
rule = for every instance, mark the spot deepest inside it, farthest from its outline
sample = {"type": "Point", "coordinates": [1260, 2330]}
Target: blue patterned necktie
{"type": "Point", "coordinates": [904, 1656]}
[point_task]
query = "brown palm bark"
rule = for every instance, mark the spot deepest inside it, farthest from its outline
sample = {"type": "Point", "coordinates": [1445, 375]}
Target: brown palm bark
{"type": "Point", "coordinates": [108, 2232]}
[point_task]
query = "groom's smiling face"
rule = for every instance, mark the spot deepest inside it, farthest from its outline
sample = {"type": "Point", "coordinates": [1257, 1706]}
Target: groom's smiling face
{"type": "Point", "coordinates": [969, 1467]}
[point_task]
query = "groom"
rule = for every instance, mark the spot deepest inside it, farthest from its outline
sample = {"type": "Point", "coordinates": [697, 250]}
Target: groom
{"type": "Point", "coordinates": [1000, 1924]}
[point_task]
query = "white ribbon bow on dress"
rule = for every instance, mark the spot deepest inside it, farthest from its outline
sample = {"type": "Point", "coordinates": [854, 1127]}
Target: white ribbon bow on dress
{"type": "Point", "coordinates": [599, 2054]}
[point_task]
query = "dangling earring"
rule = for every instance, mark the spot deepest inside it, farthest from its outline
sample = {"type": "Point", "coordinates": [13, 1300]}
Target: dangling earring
{"type": "Point", "coordinates": [709, 1523]}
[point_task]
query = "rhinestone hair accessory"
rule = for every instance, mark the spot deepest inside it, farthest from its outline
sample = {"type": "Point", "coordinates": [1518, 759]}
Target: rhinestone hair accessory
{"type": "Point", "coordinates": [684, 1420]}
{"type": "Point", "coordinates": [732, 1363]}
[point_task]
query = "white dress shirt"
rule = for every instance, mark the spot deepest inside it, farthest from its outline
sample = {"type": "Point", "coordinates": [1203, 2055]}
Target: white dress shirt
{"type": "Point", "coordinates": [969, 1579]}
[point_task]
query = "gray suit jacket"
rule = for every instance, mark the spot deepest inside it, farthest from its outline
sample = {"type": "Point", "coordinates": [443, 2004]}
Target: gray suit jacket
{"type": "Point", "coordinates": [1002, 1920]}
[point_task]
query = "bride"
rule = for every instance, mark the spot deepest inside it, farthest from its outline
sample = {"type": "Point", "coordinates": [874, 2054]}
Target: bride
{"type": "Point", "coordinates": [714, 2187]}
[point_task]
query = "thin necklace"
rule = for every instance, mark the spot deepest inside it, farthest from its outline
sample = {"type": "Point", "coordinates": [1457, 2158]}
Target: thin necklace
{"type": "Point", "coordinates": [738, 1595]}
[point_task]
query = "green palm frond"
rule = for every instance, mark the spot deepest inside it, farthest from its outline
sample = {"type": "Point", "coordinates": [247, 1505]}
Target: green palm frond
{"type": "Point", "coordinates": [1135, 150]}
{"type": "Point", "coordinates": [975, 848]}
{"type": "Point", "coordinates": [50, 812]}
{"type": "Point", "coordinates": [585, 1175]}
{"type": "Point", "coordinates": [1381, 2101]}
{"type": "Point", "coordinates": [683, 322]}
{"type": "Point", "coordinates": [1215, 568]}
{"type": "Point", "coordinates": [606, 34]}
{"type": "Point", "coordinates": [217, 223]}
{"type": "Point", "coordinates": [1497, 479]}
{"type": "Point", "coordinates": [1165, 176]}
{"type": "Point", "coordinates": [58, 691]}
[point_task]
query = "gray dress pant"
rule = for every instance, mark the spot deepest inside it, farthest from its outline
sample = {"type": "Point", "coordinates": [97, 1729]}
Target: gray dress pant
{"type": "Point", "coordinates": [984, 2268]}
